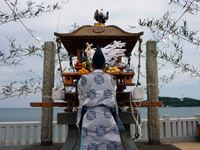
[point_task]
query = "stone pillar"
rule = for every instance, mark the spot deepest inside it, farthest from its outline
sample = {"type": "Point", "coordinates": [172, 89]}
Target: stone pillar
{"type": "Point", "coordinates": [198, 117]}
{"type": "Point", "coordinates": [198, 126]}
{"type": "Point", "coordinates": [152, 92]}
{"type": "Point", "coordinates": [48, 83]}
{"type": "Point", "coordinates": [167, 125]}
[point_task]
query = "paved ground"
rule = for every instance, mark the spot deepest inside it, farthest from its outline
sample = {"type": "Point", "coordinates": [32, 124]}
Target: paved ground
{"type": "Point", "coordinates": [140, 145]}
{"type": "Point", "coordinates": [188, 145]}
{"type": "Point", "coordinates": [146, 146]}
{"type": "Point", "coordinates": [32, 147]}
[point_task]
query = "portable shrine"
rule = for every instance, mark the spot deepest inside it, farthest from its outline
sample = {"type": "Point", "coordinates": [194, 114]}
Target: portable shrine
{"type": "Point", "coordinates": [98, 35]}
{"type": "Point", "coordinates": [77, 43]}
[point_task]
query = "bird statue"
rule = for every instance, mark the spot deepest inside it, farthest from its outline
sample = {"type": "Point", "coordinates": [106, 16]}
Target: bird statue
{"type": "Point", "coordinates": [100, 16]}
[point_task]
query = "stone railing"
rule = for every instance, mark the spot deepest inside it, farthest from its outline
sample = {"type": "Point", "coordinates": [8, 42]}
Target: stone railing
{"type": "Point", "coordinates": [25, 133]}
{"type": "Point", "coordinates": [172, 129]}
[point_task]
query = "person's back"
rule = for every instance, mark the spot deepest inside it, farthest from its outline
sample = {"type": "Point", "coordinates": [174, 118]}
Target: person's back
{"type": "Point", "coordinates": [97, 88]}
{"type": "Point", "coordinates": [96, 92]}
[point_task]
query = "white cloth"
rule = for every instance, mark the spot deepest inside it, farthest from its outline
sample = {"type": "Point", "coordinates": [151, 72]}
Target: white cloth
{"type": "Point", "coordinates": [99, 130]}
{"type": "Point", "coordinates": [137, 93]}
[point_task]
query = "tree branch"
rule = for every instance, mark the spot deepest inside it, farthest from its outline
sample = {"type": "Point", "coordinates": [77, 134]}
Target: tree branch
{"type": "Point", "coordinates": [16, 52]}
{"type": "Point", "coordinates": [32, 9]}
{"type": "Point", "coordinates": [18, 88]}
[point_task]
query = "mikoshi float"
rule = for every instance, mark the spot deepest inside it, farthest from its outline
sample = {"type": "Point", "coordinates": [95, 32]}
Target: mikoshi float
{"type": "Point", "coordinates": [117, 46]}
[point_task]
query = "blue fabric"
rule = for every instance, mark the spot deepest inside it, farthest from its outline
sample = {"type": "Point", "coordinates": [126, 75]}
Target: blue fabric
{"type": "Point", "coordinates": [84, 110]}
{"type": "Point", "coordinates": [81, 144]}
{"type": "Point", "coordinates": [113, 112]}
{"type": "Point", "coordinates": [117, 119]}
{"type": "Point", "coordinates": [99, 130]}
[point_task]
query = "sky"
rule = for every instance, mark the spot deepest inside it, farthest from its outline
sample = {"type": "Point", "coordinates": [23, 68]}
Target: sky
{"type": "Point", "coordinates": [122, 13]}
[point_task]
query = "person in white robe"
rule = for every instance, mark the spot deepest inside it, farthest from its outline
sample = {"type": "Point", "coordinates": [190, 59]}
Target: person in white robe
{"type": "Point", "coordinates": [97, 97]}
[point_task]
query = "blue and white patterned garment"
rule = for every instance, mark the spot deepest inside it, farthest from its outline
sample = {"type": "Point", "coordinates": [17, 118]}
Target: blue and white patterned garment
{"type": "Point", "coordinates": [99, 130]}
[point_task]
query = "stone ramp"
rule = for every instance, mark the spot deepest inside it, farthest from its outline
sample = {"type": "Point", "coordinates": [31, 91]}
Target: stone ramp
{"type": "Point", "coordinates": [73, 139]}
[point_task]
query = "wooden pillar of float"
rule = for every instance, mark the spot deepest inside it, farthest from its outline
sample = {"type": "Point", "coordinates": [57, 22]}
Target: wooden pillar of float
{"type": "Point", "coordinates": [48, 83]}
{"type": "Point", "coordinates": [152, 92]}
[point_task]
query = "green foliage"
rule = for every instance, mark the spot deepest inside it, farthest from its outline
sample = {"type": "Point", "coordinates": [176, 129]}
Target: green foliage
{"type": "Point", "coordinates": [18, 88]}
{"type": "Point", "coordinates": [32, 9]}
{"type": "Point", "coordinates": [172, 34]}
{"type": "Point", "coordinates": [17, 52]}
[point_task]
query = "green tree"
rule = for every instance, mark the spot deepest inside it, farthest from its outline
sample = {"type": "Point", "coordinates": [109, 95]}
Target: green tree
{"type": "Point", "coordinates": [172, 33]}
{"type": "Point", "coordinates": [16, 52]}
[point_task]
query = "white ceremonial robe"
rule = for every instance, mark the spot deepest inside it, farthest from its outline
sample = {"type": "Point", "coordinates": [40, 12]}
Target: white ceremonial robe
{"type": "Point", "coordinates": [99, 130]}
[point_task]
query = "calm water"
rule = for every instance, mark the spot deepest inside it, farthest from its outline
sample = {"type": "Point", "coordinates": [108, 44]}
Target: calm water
{"type": "Point", "coordinates": [34, 114]}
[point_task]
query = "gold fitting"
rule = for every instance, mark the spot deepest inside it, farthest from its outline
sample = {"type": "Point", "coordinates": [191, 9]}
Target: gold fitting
{"type": "Point", "coordinates": [99, 24]}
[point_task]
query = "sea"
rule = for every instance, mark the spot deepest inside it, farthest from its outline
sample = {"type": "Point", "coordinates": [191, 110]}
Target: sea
{"type": "Point", "coordinates": [34, 114]}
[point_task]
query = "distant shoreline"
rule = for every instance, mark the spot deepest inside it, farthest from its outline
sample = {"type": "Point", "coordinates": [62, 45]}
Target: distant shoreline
{"type": "Point", "coordinates": [179, 102]}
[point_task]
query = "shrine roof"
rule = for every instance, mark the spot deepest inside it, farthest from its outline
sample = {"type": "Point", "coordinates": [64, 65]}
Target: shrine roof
{"type": "Point", "coordinates": [97, 35]}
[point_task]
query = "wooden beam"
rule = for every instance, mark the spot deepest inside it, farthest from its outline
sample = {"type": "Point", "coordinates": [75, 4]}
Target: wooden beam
{"type": "Point", "coordinates": [148, 104]}
{"type": "Point", "coordinates": [65, 104]}
{"type": "Point", "coordinates": [48, 104]}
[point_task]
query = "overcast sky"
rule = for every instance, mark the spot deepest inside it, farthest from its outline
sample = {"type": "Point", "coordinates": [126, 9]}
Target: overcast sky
{"type": "Point", "coordinates": [123, 13]}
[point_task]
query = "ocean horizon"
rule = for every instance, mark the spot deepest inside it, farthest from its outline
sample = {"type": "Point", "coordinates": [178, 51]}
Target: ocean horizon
{"type": "Point", "coordinates": [34, 114]}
